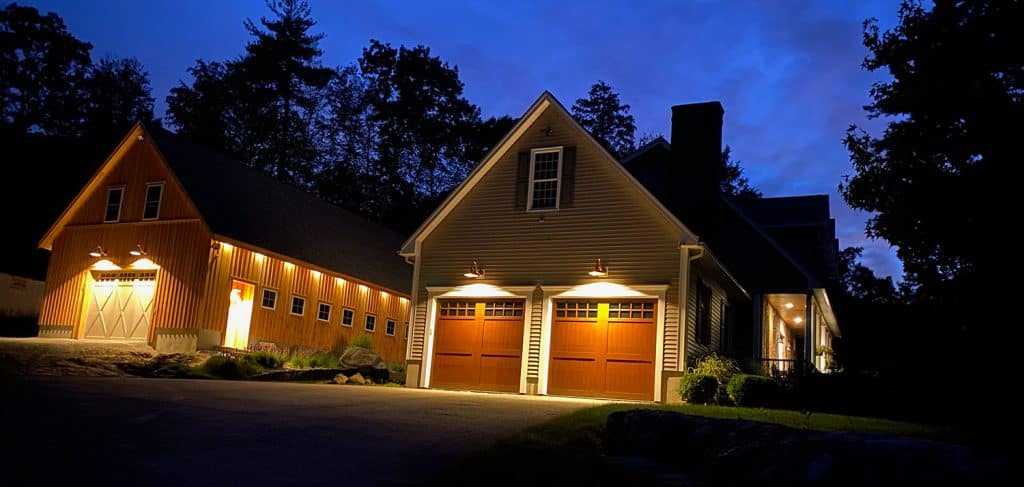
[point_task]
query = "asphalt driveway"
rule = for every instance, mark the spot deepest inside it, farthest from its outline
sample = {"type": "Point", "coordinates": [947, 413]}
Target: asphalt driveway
{"type": "Point", "coordinates": [120, 431]}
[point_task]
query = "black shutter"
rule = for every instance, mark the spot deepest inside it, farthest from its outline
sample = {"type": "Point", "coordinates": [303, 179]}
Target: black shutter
{"type": "Point", "coordinates": [522, 180]}
{"type": "Point", "coordinates": [568, 177]}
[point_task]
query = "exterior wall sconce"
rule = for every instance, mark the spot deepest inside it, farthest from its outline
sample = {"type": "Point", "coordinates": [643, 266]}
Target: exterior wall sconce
{"type": "Point", "coordinates": [798, 320]}
{"type": "Point", "coordinates": [599, 270]}
{"type": "Point", "coordinates": [99, 252]}
{"type": "Point", "coordinates": [138, 251]}
{"type": "Point", "coordinates": [782, 339]}
{"type": "Point", "coordinates": [475, 272]}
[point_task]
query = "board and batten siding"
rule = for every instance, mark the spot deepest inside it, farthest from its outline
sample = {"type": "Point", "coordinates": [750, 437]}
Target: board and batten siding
{"type": "Point", "coordinates": [280, 327]}
{"type": "Point", "coordinates": [609, 219]}
{"type": "Point", "coordinates": [177, 242]}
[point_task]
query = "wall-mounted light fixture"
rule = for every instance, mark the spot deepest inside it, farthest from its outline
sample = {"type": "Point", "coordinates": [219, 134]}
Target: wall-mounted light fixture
{"type": "Point", "coordinates": [138, 251]}
{"type": "Point", "coordinates": [599, 269]}
{"type": "Point", "coordinates": [782, 339]}
{"type": "Point", "coordinates": [475, 272]}
{"type": "Point", "coordinates": [798, 320]}
{"type": "Point", "coordinates": [98, 252]}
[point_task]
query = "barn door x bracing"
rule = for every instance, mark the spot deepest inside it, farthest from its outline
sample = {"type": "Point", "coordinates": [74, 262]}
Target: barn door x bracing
{"type": "Point", "coordinates": [120, 304]}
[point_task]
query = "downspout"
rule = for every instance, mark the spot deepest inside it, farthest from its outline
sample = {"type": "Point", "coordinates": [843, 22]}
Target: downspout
{"type": "Point", "coordinates": [687, 254]}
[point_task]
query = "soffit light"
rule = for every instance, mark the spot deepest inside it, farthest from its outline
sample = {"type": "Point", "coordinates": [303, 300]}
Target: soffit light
{"type": "Point", "coordinates": [599, 270]}
{"type": "Point", "coordinates": [99, 252]}
{"type": "Point", "coordinates": [789, 305]}
{"type": "Point", "coordinates": [798, 320]}
{"type": "Point", "coordinates": [475, 272]}
{"type": "Point", "coordinates": [138, 251]}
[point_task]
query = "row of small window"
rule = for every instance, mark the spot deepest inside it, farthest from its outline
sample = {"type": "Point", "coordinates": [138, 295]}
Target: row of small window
{"type": "Point", "coordinates": [323, 312]}
{"type": "Point", "coordinates": [616, 309]}
{"type": "Point", "coordinates": [150, 208]}
{"type": "Point", "coordinates": [491, 308]}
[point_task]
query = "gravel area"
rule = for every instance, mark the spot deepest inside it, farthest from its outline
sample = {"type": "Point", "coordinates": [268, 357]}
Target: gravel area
{"type": "Point", "coordinates": [86, 358]}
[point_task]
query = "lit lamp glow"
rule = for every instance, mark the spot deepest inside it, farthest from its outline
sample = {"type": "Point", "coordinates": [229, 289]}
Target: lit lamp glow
{"type": "Point", "coordinates": [599, 269]}
{"type": "Point", "coordinates": [789, 305]}
{"type": "Point", "coordinates": [475, 272]}
{"type": "Point", "coordinates": [99, 252]}
{"type": "Point", "coordinates": [316, 274]}
{"type": "Point", "coordinates": [138, 251]}
{"type": "Point", "coordinates": [798, 320]}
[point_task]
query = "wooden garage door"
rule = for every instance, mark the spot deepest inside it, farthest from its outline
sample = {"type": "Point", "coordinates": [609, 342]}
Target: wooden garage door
{"type": "Point", "coordinates": [120, 304]}
{"type": "Point", "coordinates": [603, 349]}
{"type": "Point", "coordinates": [478, 345]}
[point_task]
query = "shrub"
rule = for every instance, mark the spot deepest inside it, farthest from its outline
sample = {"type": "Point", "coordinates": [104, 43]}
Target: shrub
{"type": "Point", "coordinates": [698, 388]}
{"type": "Point", "coordinates": [754, 391]}
{"type": "Point", "coordinates": [399, 367]}
{"type": "Point", "coordinates": [267, 359]}
{"type": "Point", "coordinates": [721, 368]}
{"type": "Point", "coordinates": [311, 361]}
{"type": "Point", "coordinates": [225, 367]}
{"type": "Point", "coordinates": [362, 341]}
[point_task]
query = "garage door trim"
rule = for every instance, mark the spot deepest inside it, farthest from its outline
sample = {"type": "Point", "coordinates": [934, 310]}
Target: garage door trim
{"type": "Point", "coordinates": [609, 292]}
{"type": "Point", "coordinates": [476, 292]}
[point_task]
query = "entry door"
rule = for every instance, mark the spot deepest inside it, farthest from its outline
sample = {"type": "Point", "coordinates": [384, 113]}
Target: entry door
{"type": "Point", "coordinates": [120, 305]}
{"type": "Point", "coordinates": [603, 349]}
{"type": "Point", "coordinates": [478, 345]}
{"type": "Point", "coordinates": [236, 334]}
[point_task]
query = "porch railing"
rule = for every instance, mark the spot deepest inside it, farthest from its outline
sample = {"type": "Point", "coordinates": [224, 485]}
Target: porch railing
{"type": "Point", "coordinates": [778, 367]}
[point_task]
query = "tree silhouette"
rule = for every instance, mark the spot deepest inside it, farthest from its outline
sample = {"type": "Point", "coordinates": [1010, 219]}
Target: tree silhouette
{"type": "Point", "coordinates": [119, 95]}
{"type": "Point", "coordinates": [607, 119]}
{"type": "Point", "coordinates": [734, 184]}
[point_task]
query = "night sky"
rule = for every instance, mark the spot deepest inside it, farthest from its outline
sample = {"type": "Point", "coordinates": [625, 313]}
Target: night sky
{"type": "Point", "coordinates": [787, 72]}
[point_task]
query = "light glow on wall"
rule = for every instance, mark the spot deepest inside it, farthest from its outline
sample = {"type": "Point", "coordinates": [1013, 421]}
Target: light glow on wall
{"type": "Point", "coordinates": [144, 264]}
{"type": "Point", "coordinates": [288, 266]}
{"type": "Point", "coordinates": [316, 274]}
{"type": "Point", "coordinates": [340, 281]}
{"type": "Point", "coordinates": [477, 291]}
{"type": "Point", "coordinates": [363, 288]}
{"type": "Point", "coordinates": [226, 246]}
{"type": "Point", "coordinates": [259, 256]}
{"type": "Point", "coordinates": [602, 290]}
{"type": "Point", "coordinates": [105, 265]}
{"type": "Point", "coordinates": [383, 294]}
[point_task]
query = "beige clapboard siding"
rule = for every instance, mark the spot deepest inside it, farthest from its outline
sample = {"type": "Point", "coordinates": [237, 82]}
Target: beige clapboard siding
{"type": "Point", "coordinates": [609, 219]}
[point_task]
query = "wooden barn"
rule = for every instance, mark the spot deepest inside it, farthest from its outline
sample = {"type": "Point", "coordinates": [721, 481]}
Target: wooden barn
{"type": "Point", "coordinates": [174, 245]}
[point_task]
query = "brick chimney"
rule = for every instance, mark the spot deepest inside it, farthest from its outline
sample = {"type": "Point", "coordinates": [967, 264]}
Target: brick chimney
{"type": "Point", "coordinates": [697, 147]}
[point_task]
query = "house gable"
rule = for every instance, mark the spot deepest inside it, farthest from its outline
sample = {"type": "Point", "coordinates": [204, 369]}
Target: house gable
{"type": "Point", "coordinates": [545, 105]}
{"type": "Point", "coordinates": [134, 164]}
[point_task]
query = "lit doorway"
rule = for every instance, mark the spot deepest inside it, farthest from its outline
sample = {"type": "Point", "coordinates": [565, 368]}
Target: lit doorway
{"type": "Point", "coordinates": [239, 315]}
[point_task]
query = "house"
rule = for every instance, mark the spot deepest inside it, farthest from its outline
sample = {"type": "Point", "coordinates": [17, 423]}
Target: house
{"type": "Point", "coordinates": [556, 269]}
{"type": "Point", "coordinates": [174, 245]}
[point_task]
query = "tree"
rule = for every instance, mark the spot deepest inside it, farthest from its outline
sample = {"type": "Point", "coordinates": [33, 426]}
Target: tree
{"type": "Point", "coordinates": [606, 118]}
{"type": "Point", "coordinates": [421, 125]}
{"type": "Point", "coordinates": [938, 180]}
{"type": "Point", "coordinates": [734, 184]}
{"type": "Point", "coordinates": [42, 73]}
{"type": "Point", "coordinates": [119, 95]}
{"type": "Point", "coordinates": [486, 134]}
{"type": "Point", "coordinates": [263, 108]}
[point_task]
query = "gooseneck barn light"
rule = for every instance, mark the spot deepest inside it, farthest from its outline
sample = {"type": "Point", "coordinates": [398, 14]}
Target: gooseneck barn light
{"type": "Point", "coordinates": [599, 269]}
{"type": "Point", "coordinates": [475, 272]}
{"type": "Point", "coordinates": [98, 252]}
{"type": "Point", "coordinates": [138, 251]}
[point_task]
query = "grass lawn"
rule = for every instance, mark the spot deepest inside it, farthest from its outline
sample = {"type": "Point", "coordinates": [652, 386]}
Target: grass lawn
{"type": "Point", "coordinates": [568, 448]}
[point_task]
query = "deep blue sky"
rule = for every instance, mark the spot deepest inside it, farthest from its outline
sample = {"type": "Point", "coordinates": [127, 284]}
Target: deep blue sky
{"type": "Point", "coordinates": [787, 72]}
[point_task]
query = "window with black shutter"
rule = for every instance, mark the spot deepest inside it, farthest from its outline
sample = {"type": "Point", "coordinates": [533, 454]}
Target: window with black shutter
{"type": "Point", "coordinates": [703, 313]}
{"type": "Point", "coordinates": [546, 179]}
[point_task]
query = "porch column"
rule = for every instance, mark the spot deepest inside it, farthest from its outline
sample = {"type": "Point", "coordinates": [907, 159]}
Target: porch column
{"type": "Point", "coordinates": [809, 331]}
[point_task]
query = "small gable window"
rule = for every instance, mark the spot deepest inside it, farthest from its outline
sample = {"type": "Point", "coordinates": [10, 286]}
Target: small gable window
{"type": "Point", "coordinates": [703, 331]}
{"type": "Point", "coordinates": [114, 197]}
{"type": "Point", "coordinates": [545, 176]}
{"type": "Point", "coordinates": [154, 192]}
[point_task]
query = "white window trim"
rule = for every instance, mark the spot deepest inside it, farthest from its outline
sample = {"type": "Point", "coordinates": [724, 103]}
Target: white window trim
{"type": "Point", "coordinates": [120, 204]}
{"type": "Point", "coordinates": [557, 178]}
{"type": "Point", "coordinates": [342, 320]}
{"type": "Point", "coordinates": [369, 315]}
{"type": "Point", "coordinates": [329, 310]}
{"type": "Point", "coordinates": [276, 294]}
{"type": "Point", "coordinates": [159, 202]}
{"type": "Point", "coordinates": [394, 329]}
{"type": "Point", "coordinates": [291, 306]}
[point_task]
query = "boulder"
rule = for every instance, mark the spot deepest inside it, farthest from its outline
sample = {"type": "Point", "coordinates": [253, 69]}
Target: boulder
{"type": "Point", "coordinates": [340, 379]}
{"type": "Point", "coordinates": [357, 379]}
{"type": "Point", "coordinates": [364, 362]}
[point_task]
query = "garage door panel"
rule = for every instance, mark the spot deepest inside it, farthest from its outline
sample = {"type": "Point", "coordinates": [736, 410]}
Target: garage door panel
{"type": "Point", "coordinates": [455, 370]}
{"type": "Point", "coordinates": [500, 373]}
{"type": "Point", "coordinates": [631, 341]}
{"type": "Point", "coordinates": [629, 380]}
{"type": "Point", "coordinates": [119, 305]}
{"type": "Point", "coordinates": [574, 377]}
{"type": "Point", "coordinates": [574, 338]}
{"type": "Point", "coordinates": [502, 337]}
{"type": "Point", "coordinates": [455, 336]}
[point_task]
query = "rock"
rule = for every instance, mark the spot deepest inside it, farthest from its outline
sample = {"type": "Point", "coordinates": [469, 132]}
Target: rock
{"type": "Point", "coordinates": [364, 362]}
{"type": "Point", "coordinates": [340, 379]}
{"type": "Point", "coordinates": [357, 379]}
